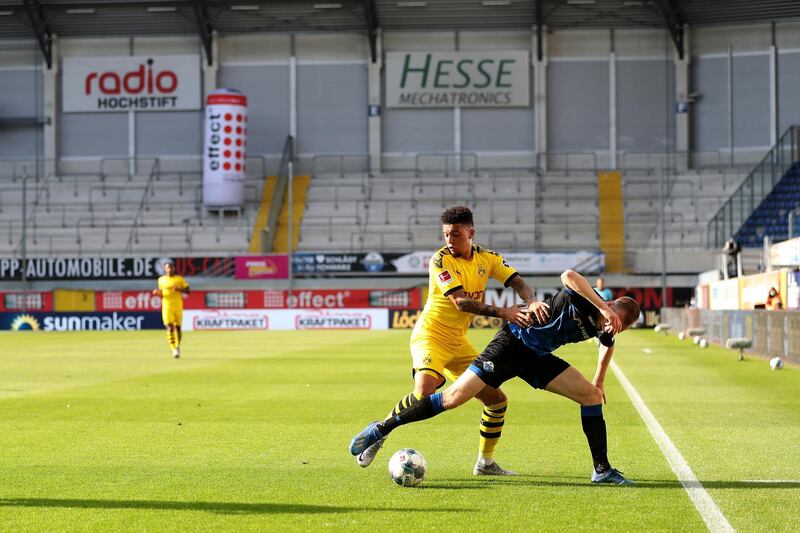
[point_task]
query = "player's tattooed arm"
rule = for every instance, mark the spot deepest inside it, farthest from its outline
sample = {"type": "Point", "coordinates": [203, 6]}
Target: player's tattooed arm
{"type": "Point", "coordinates": [540, 310]}
{"type": "Point", "coordinates": [517, 314]}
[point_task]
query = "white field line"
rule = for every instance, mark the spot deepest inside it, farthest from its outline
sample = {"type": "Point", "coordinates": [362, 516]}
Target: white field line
{"type": "Point", "coordinates": [709, 512]}
{"type": "Point", "coordinates": [647, 350]}
{"type": "Point", "coordinates": [771, 481]}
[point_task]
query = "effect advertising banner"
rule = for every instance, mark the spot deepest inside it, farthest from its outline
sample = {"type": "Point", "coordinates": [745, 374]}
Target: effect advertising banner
{"type": "Point", "coordinates": [225, 146]}
{"type": "Point", "coordinates": [266, 299]}
{"type": "Point", "coordinates": [36, 321]}
{"type": "Point", "coordinates": [131, 83]}
{"type": "Point", "coordinates": [111, 268]}
{"type": "Point", "coordinates": [262, 267]}
{"type": "Point", "coordinates": [458, 79]}
{"type": "Point", "coordinates": [286, 319]}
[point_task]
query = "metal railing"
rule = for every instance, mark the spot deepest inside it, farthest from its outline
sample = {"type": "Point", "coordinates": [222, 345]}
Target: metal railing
{"type": "Point", "coordinates": [758, 184]}
{"type": "Point", "coordinates": [452, 162]}
{"type": "Point", "coordinates": [137, 219]}
{"type": "Point", "coordinates": [338, 162]}
{"type": "Point", "coordinates": [281, 186]}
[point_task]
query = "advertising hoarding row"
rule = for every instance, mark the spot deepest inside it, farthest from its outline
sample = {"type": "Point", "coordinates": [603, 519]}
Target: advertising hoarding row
{"type": "Point", "coordinates": [260, 267]}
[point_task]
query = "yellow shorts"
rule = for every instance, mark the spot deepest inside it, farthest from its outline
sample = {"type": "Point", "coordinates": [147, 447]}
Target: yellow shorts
{"type": "Point", "coordinates": [446, 361]}
{"type": "Point", "coordinates": [172, 315]}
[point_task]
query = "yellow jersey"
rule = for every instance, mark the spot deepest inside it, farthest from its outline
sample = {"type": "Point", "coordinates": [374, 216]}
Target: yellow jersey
{"type": "Point", "coordinates": [169, 285]}
{"type": "Point", "coordinates": [440, 318]}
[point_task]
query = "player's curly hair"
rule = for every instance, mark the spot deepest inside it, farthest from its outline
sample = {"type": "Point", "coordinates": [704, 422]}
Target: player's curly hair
{"type": "Point", "coordinates": [458, 214]}
{"type": "Point", "coordinates": [629, 308]}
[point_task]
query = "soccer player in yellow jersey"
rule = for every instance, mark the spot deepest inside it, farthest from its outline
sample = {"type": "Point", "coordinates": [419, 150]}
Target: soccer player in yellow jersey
{"type": "Point", "coordinates": [440, 350]}
{"type": "Point", "coordinates": [171, 288]}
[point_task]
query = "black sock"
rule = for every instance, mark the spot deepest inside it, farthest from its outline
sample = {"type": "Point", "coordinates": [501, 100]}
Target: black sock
{"type": "Point", "coordinates": [594, 427]}
{"type": "Point", "coordinates": [423, 409]}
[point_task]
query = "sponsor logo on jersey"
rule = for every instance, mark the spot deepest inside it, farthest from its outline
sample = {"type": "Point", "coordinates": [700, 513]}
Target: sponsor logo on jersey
{"type": "Point", "coordinates": [445, 277]}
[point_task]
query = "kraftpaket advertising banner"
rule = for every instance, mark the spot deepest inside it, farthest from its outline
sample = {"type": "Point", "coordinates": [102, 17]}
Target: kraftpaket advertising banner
{"type": "Point", "coordinates": [458, 79]}
{"type": "Point", "coordinates": [80, 321]}
{"type": "Point", "coordinates": [131, 83]}
{"type": "Point", "coordinates": [111, 268]}
{"type": "Point", "coordinates": [286, 319]}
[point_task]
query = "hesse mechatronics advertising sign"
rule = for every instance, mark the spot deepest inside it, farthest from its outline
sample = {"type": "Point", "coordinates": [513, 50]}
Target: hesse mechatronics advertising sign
{"type": "Point", "coordinates": [458, 79]}
{"type": "Point", "coordinates": [131, 83]}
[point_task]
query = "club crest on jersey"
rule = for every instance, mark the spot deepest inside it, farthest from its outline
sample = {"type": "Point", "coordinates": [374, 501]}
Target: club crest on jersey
{"type": "Point", "coordinates": [481, 270]}
{"type": "Point", "coordinates": [445, 277]}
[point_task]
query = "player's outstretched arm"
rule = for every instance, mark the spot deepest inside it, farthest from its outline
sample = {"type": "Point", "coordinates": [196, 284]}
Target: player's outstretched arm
{"type": "Point", "coordinates": [540, 310]}
{"type": "Point", "coordinates": [517, 314]}
{"type": "Point", "coordinates": [603, 360]}
{"type": "Point", "coordinates": [574, 281]}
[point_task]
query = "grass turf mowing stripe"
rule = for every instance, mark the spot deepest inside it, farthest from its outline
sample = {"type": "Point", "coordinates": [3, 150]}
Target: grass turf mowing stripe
{"type": "Point", "coordinates": [708, 509]}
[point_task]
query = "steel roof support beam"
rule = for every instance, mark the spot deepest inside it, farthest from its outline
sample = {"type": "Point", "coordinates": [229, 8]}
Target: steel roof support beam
{"type": "Point", "coordinates": [40, 28]}
{"type": "Point", "coordinates": [539, 27]}
{"type": "Point", "coordinates": [371, 16]}
{"type": "Point", "coordinates": [204, 28]}
{"type": "Point", "coordinates": [675, 19]}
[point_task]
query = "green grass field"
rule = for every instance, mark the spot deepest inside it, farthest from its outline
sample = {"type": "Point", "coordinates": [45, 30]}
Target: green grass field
{"type": "Point", "coordinates": [249, 432]}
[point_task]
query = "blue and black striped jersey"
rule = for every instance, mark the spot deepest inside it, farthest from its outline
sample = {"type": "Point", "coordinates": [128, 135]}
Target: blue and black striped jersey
{"type": "Point", "coordinates": [573, 318]}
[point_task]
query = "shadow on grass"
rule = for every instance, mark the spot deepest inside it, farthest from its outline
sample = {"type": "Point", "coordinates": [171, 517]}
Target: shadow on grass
{"type": "Point", "coordinates": [529, 481]}
{"type": "Point", "coordinates": [212, 507]}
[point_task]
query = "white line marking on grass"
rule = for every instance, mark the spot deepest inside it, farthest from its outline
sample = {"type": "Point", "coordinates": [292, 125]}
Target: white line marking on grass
{"type": "Point", "coordinates": [647, 350]}
{"type": "Point", "coordinates": [709, 512]}
{"type": "Point", "coordinates": [771, 481]}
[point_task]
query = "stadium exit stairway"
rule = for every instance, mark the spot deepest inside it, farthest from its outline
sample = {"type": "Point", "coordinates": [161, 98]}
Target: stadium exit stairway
{"type": "Point", "coordinates": [298, 197]}
{"type": "Point", "coordinates": [612, 219]}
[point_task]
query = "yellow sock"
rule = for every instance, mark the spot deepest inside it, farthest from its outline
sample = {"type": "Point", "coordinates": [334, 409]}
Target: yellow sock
{"type": "Point", "coordinates": [491, 427]}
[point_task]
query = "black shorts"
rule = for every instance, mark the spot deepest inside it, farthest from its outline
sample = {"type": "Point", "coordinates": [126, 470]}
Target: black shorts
{"type": "Point", "coordinates": [507, 357]}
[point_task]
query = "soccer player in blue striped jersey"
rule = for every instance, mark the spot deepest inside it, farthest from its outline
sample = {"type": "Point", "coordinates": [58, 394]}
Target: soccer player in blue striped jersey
{"type": "Point", "coordinates": [440, 350]}
{"type": "Point", "coordinates": [577, 313]}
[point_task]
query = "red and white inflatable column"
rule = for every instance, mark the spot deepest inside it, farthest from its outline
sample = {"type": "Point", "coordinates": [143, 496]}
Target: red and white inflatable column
{"type": "Point", "coordinates": [224, 151]}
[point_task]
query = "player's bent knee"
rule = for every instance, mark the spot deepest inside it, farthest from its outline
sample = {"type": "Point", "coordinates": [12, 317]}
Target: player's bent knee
{"type": "Point", "coordinates": [592, 396]}
{"type": "Point", "coordinates": [492, 396]}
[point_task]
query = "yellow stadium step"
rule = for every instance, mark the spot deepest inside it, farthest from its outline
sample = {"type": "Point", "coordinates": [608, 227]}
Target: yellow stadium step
{"type": "Point", "coordinates": [299, 194]}
{"type": "Point", "coordinates": [263, 215]}
{"type": "Point", "coordinates": [612, 220]}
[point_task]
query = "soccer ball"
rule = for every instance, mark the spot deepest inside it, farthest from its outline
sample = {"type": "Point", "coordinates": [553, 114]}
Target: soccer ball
{"type": "Point", "coordinates": [407, 467]}
{"type": "Point", "coordinates": [776, 363]}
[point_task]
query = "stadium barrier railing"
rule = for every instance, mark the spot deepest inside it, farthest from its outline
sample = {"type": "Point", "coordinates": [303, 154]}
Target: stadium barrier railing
{"type": "Point", "coordinates": [774, 333]}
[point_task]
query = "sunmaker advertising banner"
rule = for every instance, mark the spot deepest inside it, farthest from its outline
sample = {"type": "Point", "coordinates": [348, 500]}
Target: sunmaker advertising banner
{"type": "Point", "coordinates": [458, 79]}
{"type": "Point", "coordinates": [80, 321]}
{"type": "Point", "coordinates": [131, 83]}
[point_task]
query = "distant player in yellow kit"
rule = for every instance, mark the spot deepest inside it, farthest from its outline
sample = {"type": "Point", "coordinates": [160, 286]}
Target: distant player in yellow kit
{"type": "Point", "coordinates": [171, 288]}
{"type": "Point", "coordinates": [440, 350]}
